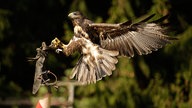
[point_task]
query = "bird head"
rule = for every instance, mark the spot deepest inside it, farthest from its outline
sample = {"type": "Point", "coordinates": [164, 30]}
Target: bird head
{"type": "Point", "coordinates": [75, 15]}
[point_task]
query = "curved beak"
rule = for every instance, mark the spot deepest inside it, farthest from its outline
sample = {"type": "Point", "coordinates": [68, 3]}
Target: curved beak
{"type": "Point", "coordinates": [71, 15]}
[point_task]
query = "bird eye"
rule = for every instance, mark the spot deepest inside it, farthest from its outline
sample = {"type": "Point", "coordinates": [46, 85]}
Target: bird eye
{"type": "Point", "coordinates": [74, 13]}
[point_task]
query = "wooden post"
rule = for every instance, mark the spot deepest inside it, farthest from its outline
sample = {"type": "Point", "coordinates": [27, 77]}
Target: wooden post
{"type": "Point", "coordinates": [71, 94]}
{"type": "Point", "coordinates": [71, 89]}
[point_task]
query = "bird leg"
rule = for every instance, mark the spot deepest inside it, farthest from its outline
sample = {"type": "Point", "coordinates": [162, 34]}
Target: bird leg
{"type": "Point", "coordinates": [58, 50]}
{"type": "Point", "coordinates": [68, 49]}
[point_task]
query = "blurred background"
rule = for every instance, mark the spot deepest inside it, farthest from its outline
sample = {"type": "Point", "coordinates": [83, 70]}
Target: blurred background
{"type": "Point", "coordinates": [162, 79]}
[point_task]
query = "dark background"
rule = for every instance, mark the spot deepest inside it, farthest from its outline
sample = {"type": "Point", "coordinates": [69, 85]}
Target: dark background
{"type": "Point", "coordinates": [161, 78]}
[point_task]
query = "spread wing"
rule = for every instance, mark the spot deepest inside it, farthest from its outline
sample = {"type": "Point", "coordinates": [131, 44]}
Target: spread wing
{"type": "Point", "coordinates": [128, 38]}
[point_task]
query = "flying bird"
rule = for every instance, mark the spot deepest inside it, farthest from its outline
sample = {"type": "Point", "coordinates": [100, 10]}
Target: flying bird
{"type": "Point", "coordinates": [101, 43]}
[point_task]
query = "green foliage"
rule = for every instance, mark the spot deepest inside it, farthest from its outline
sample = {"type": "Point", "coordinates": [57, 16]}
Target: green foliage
{"type": "Point", "coordinates": [162, 79]}
{"type": "Point", "coordinates": [4, 23]}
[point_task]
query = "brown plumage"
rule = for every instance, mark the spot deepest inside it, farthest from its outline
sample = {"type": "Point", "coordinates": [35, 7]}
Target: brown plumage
{"type": "Point", "coordinates": [101, 43]}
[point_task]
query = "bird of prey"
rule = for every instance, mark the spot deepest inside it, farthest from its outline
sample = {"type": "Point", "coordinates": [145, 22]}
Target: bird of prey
{"type": "Point", "coordinates": [101, 43]}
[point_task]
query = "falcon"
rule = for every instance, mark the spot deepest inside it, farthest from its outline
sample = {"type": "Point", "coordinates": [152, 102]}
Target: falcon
{"type": "Point", "coordinates": [101, 43]}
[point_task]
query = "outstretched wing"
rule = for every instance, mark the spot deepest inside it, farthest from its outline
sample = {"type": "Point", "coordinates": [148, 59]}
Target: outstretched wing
{"type": "Point", "coordinates": [128, 38]}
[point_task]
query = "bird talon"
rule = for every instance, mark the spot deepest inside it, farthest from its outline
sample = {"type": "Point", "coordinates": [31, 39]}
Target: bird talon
{"type": "Point", "coordinates": [58, 50]}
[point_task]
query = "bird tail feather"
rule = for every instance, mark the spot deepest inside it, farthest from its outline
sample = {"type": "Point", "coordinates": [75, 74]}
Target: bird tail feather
{"type": "Point", "coordinates": [95, 65]}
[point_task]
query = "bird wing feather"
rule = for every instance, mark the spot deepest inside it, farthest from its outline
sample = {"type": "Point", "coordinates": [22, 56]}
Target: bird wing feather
{"type": "Point", "coordinates": [94, 64]}
{"type": "Point", "coordinates": [127, 38]}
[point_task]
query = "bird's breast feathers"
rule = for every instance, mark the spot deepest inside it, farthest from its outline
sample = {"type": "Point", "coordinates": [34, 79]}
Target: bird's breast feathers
{"type": "Point", "coordinates": [79, 32]}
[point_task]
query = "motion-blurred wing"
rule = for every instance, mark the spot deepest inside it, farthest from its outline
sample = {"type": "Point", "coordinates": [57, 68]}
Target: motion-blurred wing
{"type": "Point", "coordinates": [127, 38]}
